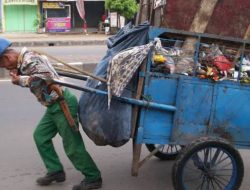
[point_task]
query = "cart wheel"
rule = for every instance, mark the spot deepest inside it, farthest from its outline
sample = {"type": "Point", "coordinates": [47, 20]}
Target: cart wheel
{"type": "Point", "coordinates": [209, 163]}
{"type": "Point", "coordinates": [167, 152]}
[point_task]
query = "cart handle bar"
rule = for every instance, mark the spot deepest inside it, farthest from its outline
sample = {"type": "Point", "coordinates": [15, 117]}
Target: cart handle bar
{"type": "Point", "coordinates": [132, 101]}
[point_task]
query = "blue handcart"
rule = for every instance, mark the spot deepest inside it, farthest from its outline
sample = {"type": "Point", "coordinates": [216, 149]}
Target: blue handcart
{"type": "Point", "coordinates": [202, 121]}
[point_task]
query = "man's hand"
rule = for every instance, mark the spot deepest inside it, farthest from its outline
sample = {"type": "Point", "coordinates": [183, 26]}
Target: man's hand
{"type": "Point", "coordinates": [14, 78]}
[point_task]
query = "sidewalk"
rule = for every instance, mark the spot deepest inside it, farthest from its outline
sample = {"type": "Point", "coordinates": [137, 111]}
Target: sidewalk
{"type": "Point", "coordinates": [49, 39]}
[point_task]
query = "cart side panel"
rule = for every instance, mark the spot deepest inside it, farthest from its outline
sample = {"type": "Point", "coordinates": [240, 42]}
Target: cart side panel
{"type": "Point", "coordinates": [194, 106]}
{"type": "Point", "coordinates": [231, 116]}
{"type": "Point", "coordinates": [155, 125]}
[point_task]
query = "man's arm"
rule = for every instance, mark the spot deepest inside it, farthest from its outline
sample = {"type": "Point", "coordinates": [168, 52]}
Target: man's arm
{"type": "Point", "coordinates": [19, 80]}
{"type": "Point", "coordinates": [64, 106]}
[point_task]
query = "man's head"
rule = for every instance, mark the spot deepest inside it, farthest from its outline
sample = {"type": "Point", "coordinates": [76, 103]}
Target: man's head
{"type": "Point", "coordinates": [8, 57]}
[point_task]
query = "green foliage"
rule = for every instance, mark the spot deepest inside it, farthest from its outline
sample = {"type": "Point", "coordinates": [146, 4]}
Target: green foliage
{"type": "Point", "coordinates": [39, 21]}
{"type": "Point", "coordinates": [36, 23]}
{"type": "Point", "coordinates": [126, 8]}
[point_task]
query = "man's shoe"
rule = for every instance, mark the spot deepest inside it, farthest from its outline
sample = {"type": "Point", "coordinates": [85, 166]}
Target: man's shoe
{"type": "Point", "coordinates": [85, 185]}
{"type": "Point", "coordinates": [51, 177]}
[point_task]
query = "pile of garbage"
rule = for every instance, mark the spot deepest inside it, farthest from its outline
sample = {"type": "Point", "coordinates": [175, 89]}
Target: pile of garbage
{"type": "Point", "coordinates": [212, 63]}
{"type": "Point", "coordinates": [164, 59]}
{"type": "Point", "coordinates": [245, 69]}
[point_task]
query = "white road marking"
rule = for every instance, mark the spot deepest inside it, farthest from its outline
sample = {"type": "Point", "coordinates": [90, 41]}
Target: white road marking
{"type": "Point", "coordinates": [5, 80]}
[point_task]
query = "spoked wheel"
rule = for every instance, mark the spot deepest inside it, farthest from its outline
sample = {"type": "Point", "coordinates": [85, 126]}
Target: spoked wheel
{"type": "Point", "coordinates": [166, 152]}
{"type": "Point", "coordinates": [208, 164]}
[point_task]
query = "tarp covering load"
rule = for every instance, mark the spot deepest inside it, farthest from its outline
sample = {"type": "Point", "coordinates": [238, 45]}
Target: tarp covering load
{"type": "Point", "coordinates": [103, 125]}
{"type": "Point", "coordinates": [122, 68]}
{"type": "Point", "coordinates": [124, 65]}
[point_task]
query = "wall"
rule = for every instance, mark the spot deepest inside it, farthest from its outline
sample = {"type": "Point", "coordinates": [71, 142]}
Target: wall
{"type": "Point", "coordinates": [230, 17]}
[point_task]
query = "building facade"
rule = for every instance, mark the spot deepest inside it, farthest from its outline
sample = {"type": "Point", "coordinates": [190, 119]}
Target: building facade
{"type": "Point", "coordinates": [19, 15]}
{"type": "Point", "coordinates": [63, 16]}
{"type": "Point", "coordinates": [55, 15]}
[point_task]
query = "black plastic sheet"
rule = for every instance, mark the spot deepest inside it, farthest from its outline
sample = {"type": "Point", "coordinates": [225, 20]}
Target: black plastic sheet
{"type": "Point", "coordinates": [110, 126]}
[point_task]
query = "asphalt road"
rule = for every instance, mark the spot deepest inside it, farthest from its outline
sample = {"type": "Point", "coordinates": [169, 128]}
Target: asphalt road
{"type": "Point", "coordinates": [20, 163]}
{"type": "Point", "coordinates": [84, 54]}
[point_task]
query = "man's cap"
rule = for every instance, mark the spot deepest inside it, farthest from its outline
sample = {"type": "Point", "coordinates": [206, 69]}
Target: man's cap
{"type": "Point", "coordinates": [4, 44]}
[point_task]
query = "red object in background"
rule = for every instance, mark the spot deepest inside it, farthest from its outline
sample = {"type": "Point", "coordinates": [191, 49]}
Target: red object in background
{"type": "Point", "coordinates": [85, 26]}
{"type": "Point", "coordinates": [222, 63]}
{"type": "Point", "coordinates": [103, 18]}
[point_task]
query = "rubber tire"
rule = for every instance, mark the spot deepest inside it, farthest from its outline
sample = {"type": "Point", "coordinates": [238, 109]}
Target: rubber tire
{"type": "Point", "coordinates": [161, 155]}
{"type": "Point", "coordinates": [204, 142]}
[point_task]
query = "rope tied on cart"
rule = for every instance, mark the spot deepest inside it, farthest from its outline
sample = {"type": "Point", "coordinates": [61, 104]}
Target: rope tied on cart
{"type": "Point", "coordinates": [74, 69]}
{"type": "Point", "coordinates": [76, 73]}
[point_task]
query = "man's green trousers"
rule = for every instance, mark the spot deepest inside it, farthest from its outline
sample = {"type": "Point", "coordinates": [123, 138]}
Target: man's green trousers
{"type": "Point", "coordinates": [54, 122]}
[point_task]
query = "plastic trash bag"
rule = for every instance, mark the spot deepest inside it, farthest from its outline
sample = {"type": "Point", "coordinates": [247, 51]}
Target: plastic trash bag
{"type": "Point", "coordinates": [110, 126]}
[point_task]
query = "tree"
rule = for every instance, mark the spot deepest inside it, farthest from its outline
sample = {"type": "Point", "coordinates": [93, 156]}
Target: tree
{"type": "Point", "coordinates": [39, 23]}
{"type": "Point", "coordinates": [126, 8]}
